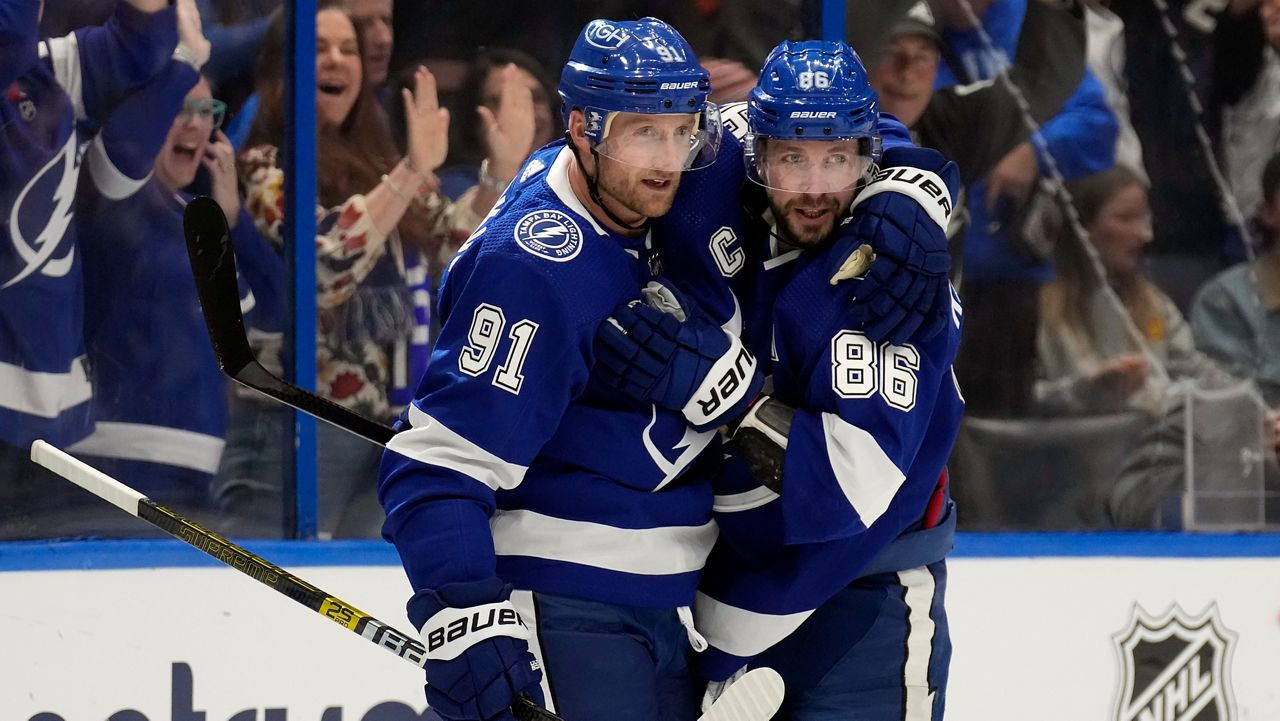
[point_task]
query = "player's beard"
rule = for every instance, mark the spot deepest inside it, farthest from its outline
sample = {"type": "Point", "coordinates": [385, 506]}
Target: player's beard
{"type": "Point", "coordinates": [808, 232]}
{"type": "Point", "coordinates": [625, 185]}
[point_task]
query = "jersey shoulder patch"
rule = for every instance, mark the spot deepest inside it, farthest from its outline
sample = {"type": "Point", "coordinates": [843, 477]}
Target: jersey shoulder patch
{"type": "Point", "coordinates": [549, 234]}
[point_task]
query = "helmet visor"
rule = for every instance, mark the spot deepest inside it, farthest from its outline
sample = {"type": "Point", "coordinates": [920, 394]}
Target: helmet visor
{"type": "Point", "coordinates": [811, 166]}
{"type": "Point", "coordinates": [665, 142]}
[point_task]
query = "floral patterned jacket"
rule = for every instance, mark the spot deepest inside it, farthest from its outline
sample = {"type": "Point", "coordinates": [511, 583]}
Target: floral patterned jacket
{"type": "Point", "coordinates": [349, 252]}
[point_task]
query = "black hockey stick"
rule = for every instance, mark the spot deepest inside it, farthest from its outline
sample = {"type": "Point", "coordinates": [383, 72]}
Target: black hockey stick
{"type": "Point", "coordinates": [256, 567]}
{"type": "Point", "coordinates": [213, 263]}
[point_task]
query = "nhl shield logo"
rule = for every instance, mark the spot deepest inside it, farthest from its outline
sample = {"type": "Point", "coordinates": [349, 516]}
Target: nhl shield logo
{"type": "Point", "coordinates": [1175, 667]}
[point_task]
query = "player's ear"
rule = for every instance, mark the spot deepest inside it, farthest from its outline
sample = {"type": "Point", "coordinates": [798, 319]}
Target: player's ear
{"type": "Point", "coordinates": [577, 131]}
{"type": "Point", "coordinates": [577, 134]}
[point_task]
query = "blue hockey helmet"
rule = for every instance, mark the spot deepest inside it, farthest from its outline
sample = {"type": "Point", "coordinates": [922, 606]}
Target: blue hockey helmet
{"type": "Point", "coordinates": [640, 66]}
{"type": "Point", "coordinates": [815, 90]}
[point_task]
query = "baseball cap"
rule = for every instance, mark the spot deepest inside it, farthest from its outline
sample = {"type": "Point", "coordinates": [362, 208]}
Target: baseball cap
{"type": "Point", "coordinates": [919, 20]}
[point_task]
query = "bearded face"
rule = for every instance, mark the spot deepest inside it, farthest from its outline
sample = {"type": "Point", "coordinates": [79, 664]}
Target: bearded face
{"type": "Point", "coordinates": [811, 184]}
{"type": "Point", "coordinates": [641, 159]}
{"type": "Point", "coordinates": [805, 220]}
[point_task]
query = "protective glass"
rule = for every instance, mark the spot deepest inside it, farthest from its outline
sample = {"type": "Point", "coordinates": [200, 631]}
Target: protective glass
{"type": "Point", "coordinates": [209, 110]}
{"type": "Point", "coordinates": [810, 166]}
{"type": "Point", "coordinates": [667, 142]}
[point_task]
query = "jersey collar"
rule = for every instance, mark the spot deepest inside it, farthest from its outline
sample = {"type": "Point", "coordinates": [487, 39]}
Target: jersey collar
{"type": "Point", "coordinates": [558, 181]}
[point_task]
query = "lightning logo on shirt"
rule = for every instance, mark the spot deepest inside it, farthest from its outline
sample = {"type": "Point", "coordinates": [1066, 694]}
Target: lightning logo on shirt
{"type": "Point", "coordinates": [689, 446]}
{"type": "Point", "coordinates": [39, 253]}
{"type": "Point", "coordinates": [549, 234]}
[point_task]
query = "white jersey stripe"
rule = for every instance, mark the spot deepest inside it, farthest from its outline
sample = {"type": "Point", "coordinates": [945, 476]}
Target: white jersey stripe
{"type": "Point", "coordinates": [745, 501]}
{"type": "Point", "coordinates": [919, 586]}
{"type": "Point", "coordinates": [45, 395]}
{"type": "Point", "coordinates": [429, 441]}
{"type": "Point", "coordinates": [64, 56]}
{"type": "Point", "coordinates": [661, 551]}
{"type": "Point", "coordinates": [741, 632]}
{"type": "Point", "coordinates": [866, 475]}
{"type": "Point", "coordinates": [112, 182]}
{"type": "Point", "coordinates": [155, 444]}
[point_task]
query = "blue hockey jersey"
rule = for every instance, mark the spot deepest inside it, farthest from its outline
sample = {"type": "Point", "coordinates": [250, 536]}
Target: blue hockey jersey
{"type": "Point", "coordinates": [509, 462]}
{"type": "Point", "coordinates": [50, 87]}
{"type": "Point", "coordinates": [873, 429]}
{"type": "Point", "coordinates": [874, 426]}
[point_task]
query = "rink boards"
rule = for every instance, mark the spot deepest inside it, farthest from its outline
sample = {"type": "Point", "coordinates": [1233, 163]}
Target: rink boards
{"type": "Point", "coordinates": [1062, 626]}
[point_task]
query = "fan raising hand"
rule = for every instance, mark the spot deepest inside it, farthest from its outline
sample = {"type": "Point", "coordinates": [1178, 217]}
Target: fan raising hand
{"type": "Point", "coordinates": [192, 44]}
{"type": "Point", "coordinates": [509, 130]}
{"type": "Point", "coordinates": [426, 123]}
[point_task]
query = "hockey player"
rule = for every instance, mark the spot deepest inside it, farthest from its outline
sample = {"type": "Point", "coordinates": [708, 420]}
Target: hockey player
{"type": "Point", "coordinates": [509, 470]}
{"type": "Point", "coordinates": [833, 499]}
{"type": "Point", "coordinates": [54, 90]}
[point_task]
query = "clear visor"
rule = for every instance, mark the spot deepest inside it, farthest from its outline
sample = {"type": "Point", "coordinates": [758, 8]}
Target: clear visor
{"type": "Point", "coordinates": [810, 166]}
{"type": "Point", "coordinates": [667, 143]}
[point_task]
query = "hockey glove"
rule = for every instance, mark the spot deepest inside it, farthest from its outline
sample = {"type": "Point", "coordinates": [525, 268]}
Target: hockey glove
{"type": "Point", "coordinates": [692, 366]}
{"type": "Point", "coordinates": [761, 439]}
{"type": "Point", "coordinates": [902, 219]}
{"type": "Point", "coordinates": [478, 658]}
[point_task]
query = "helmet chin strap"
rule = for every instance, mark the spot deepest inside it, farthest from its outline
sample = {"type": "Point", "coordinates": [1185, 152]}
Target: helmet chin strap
{"type": "Point", "coordinates": [593, 188]}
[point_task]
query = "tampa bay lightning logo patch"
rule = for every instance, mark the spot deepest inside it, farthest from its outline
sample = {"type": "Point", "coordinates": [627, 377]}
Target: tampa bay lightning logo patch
{"type": "Point", "coordinates": [549, 234]}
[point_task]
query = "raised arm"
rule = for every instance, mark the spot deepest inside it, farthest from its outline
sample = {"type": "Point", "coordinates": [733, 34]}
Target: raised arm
{"type": "Point", "coordinates": [100, 66]}
{"type": "Point", "coordinates": [19, 32]}
{"type": "Point", "coordinates": [977, 124]}
{"type": "Point", "coordinates": [121, 155]}
{"type": "Point", "coordinates": [1082, 137]}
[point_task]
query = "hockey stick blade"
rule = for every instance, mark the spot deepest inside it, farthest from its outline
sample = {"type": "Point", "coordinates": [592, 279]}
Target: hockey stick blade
{"type": "Point", "coordinates": [754, 697]}
{"type": "Point", "coordinates": [213, 264]}
{"type": "Point", "coordinates": [259, 569]}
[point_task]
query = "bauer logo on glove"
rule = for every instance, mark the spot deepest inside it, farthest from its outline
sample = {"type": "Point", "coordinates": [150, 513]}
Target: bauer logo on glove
{"type": "Point", "coordinates": [453, 630]}
{"type": "Point", "coordinates": [726, 381]}
{"type": "Point", "coordinates": [666, 352]}
{"type": "Point", "coordinates": [924, 186]}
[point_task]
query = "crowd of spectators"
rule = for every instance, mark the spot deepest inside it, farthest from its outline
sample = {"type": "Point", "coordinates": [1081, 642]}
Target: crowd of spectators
{"type": "Point", "coordinates": [1150, 277]}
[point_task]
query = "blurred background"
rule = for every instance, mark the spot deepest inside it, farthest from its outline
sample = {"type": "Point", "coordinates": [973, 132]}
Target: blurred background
{"type": "Point", "coordinates": [1119, 271]}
